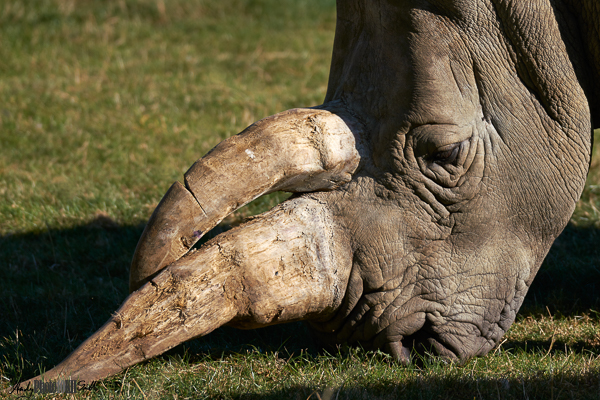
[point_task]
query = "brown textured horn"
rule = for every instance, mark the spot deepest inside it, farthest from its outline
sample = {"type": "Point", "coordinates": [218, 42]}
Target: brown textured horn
{"type": "Point", "coordinates": [289, 264]}
{"type": "Point", "coordinates": [299, 150]}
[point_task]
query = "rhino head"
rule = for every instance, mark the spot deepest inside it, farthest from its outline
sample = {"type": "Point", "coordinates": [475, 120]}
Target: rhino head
{"type": "Point", "coordinates": [449, 153]}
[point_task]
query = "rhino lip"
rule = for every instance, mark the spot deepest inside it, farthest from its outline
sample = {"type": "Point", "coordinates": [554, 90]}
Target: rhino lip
{"type": "Point", "coordinates": [400, 352]}
{"type": "Point", "coordinates": [426, 342]}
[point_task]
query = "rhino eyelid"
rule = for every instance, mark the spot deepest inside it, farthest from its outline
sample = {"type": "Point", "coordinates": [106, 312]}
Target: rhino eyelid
{"type": "Point", "coordinates": [447, 154]}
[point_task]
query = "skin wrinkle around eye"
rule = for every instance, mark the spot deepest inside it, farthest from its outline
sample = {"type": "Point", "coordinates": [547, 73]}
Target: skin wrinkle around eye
{"type": "Point", "coordinates": [448, 174]}
{"type": "Point", "coordinates": [467, 183]}
{"type": "Point", "coordinates": [438, 191]}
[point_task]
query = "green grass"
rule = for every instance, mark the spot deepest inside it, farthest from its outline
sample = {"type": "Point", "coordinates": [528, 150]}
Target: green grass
{"type": "Point", "coordinates": [103, 104]}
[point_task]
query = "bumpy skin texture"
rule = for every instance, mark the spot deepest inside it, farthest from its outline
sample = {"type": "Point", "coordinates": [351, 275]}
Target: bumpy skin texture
{"type": "Point", "coordinates": [479, 134]}
{"type": "Point", "coordinates": [449, 153]}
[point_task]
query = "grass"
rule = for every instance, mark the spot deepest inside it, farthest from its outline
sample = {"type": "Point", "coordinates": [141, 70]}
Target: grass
{"type": "Point", "coordinates": [103, 104]}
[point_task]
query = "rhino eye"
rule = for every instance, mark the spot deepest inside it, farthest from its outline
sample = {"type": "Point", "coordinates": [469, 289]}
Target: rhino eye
{"type": "Point", "coordinates": [447, 155]}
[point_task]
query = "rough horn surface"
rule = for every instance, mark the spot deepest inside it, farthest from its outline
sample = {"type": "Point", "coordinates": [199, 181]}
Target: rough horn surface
{"type": "Point", "coordinates": [288, 265]}
{"type": "Point", "coordinates": [300, 150]}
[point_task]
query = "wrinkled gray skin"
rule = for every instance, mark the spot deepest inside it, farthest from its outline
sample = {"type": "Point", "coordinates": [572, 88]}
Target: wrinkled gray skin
{"type": "Point", "coordinates": [472, 133]}
{"type": "Point", "coordinates": [444, 250]}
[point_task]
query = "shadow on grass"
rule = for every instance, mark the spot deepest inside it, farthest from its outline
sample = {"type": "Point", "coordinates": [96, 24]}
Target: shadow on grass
{"type": "Point", "coordinates": [568, 283]}
{"type": "Point", "coordinates": [458, 386]}
{"type": "Point", "coordinates": [59, 286]}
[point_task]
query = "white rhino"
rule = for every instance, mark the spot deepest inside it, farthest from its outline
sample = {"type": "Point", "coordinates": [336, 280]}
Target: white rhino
{"type": "Point", "coordinates": [449, 153]}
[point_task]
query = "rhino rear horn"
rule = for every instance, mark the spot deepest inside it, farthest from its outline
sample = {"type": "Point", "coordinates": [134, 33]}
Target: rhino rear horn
{"type": "Point", "coordinates": [299, 150]}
